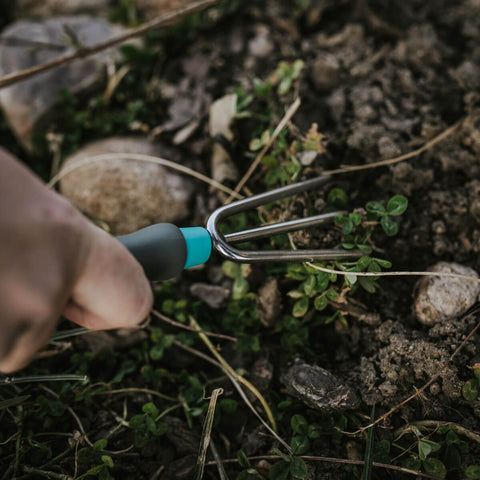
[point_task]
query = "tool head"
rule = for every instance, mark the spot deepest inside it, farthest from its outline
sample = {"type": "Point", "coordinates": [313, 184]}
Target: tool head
{"type": "Point", "coordinates": [223, 243]}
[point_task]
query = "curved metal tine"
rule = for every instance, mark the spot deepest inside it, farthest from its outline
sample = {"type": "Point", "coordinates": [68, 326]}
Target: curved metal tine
{"type": "Point", "coordinates": [281, 227]}
{"type": "Point", "coordinates": [256, 256]}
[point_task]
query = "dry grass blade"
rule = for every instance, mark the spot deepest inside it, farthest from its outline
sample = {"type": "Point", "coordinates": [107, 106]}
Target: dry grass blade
{"type": "Point", "coordinates": [11, 402]}
{"type": "Point", "coordinates": [233, 373]}
{"type": "Point", "coordinates": [191, 329]}
{"type": "Point", "coordinates": [161, 21]}
{"type": "Point", "coordinates": [206, 433]}
{"type": "Point", "coordinates": [236, 384]}
{"type": "Point", "coordinates": [218, 460]}
{"type": "Point", "coordinates": [367, 466]}
{"type": "Point", "coordinates": [142, 158]}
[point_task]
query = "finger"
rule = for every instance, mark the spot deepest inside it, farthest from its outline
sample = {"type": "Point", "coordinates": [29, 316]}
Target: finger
{"type": "Point", "coordinates": [112, 290]}
{"type": "Point", "coordinates": [32, 321]}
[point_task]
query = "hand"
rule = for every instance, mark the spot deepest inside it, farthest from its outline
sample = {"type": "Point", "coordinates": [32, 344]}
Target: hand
{"type": "Point", "coordinates": [53, 261]}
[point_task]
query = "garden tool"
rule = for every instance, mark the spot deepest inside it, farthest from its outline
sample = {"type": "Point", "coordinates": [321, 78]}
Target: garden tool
{"type": "Point", "coordinates": [164, 250]}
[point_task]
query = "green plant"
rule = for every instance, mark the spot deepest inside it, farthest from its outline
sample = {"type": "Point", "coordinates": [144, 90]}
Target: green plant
{"type": "Point", "coordinates": [248, 470]}
{"type": "Point", "coordinates": [147, 424]}
{"type": "Point", "coordinates": [96, 454]}
{"type": "Point", "coordinates": [161, 342]}
{"type": "Point", "coordinates": [288, 465]}
{"type": "Point", "coordinates": [471, 388]}
{"type": "Point", "coordinates": [395, 207]}
{"type": "Point", "coordinates": [285, 74]}
{"type": "Point", "coordinates": [303, 433]}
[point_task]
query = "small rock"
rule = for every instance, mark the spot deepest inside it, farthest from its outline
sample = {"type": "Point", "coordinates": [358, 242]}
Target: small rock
{"type": "Point", "coordinates": [326, 72]}
{"type": "Point", "coordinates": [318, 388]}
{"type": "Point", "coordinates": [126, 194]}
{"type": "Point", "coordinates": [269, 302]}
{"type": "Point", "coordinates": [27, 103]}
{"type": "Point", "coordinates": [212, 295]}
{"type": "Point", "coordinates": [261, 374]}
{"type": "Point", "coordinates": [307, 157]}
{"type": "Point", "coordinates": [468, 75]}
{"type": "Point", "coordinates": [260, 45]}
{"type": "Point", "coordinates": [49, 8]}
{"type": "Point", "coordinates": [438, 299]}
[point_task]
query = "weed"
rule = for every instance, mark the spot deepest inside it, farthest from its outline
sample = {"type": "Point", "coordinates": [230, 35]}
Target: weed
{"type": "Point", "coordinates": [147, 424]}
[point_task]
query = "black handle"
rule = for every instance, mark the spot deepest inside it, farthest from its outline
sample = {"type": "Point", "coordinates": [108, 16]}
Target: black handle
{"type": "Point", "coordinates": [160, 249]}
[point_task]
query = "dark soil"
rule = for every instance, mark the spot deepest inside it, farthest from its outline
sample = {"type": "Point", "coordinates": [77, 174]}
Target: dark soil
{"type": "Point", "coordinates": [381, 78]}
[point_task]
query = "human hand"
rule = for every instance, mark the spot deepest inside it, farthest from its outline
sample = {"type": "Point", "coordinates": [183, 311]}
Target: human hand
{"type": "Point", "coordinates": [53, 261]}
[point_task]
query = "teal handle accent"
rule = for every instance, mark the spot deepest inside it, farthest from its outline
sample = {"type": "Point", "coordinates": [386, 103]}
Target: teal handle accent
{"type": "Point", "coordinates": [164, 250]}
{"type": "Point", "coordinates": [199, 245]}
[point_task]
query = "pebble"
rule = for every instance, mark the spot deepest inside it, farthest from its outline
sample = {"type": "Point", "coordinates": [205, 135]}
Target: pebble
{"type": "Point", "coordinates": [126, 194]}
{"type": "Point", "coordinates": [318, 388]}
{"type": "Point", "coordinates": [439, 299]}
{"type": "Point", "coordinates": [28, 103]}
{"type": "Point", "coordinates": [212, 295]}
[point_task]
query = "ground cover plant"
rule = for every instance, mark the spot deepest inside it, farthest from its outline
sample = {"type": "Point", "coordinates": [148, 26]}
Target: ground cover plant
{"type": "Point", "coordinates": [349, 82]}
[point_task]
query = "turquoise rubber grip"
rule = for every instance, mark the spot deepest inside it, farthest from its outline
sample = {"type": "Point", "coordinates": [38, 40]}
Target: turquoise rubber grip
{"type": "Point", "coordinates": [164, 250]}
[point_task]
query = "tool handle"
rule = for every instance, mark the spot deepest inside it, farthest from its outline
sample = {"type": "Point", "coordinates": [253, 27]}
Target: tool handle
{"type": "Point", "coordinates": [164, 250]}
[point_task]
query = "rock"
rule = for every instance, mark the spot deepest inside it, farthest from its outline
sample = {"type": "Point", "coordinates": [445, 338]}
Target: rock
{"type": "Point", "coordinates": [438, 299]}
{"type": "Point", "coordinates": [269, 302]}
{"type": "Point", "coordinates": [468, 75]}
{"type": "Point", "coordinates": [212, 295]}
{"type": "Point", "coordinates": [261, 46]}
{"type": "Point", "coordinates": [29, 103]}
{"type": "Point", "coordinates": [326, 72]}
{"type": "Point", "coordinates": [261, 374]}
{"type": "Point", "coordinates": [318, 388]}
{"type": "Point", "coordinates": [49, 8]}
{"type": "Point", "coordinates": [126, 194]}
{"type": "Point", "coordinates": [184, 439]}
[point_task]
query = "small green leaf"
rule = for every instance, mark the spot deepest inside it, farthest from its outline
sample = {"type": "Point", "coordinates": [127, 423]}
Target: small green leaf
{"type": "Point", "coordinates": [96, 470]}
{"type": "Point", "coordinates": [298, 468]}
{"type": "Point", "coordinates": [299, 424]}
{"type": "Point", "coordinates": [240, 288]}
{"type": "Point", "coordinates": [320, 302]}
{"type": "Point", "coordinates": [340, 220]}
{"type": "Point", "coordinates": [322, 282]}
{"type": "Point", "coordinates": [230, 269]}
{"type": "Point", "coordinates": [425, 447]}
{"type": "Point", "coordinates": [297, 272]}
{"type": "Point", "coordinates": [229, 405]}
{"type": "Point", "coordinates": [347, 228]}
{"type": "Point", "coordinates": [314, 431]}
{"type": "Point", "coordinates": [433, 466]}
{"type": "Point", "coordinates": [390, 227]}
{"type": "Point", "coordinates": [150, 409]}
{"type": "Point", "coordinates": [100, 444]}
{"type": "Point", "coordinates": [332, 294]}
{"type": "Point", "coordinates": [351, 279]}
{"type": "Point", "coordinates": [279, 470]}
{"type": "Point", "coordinates": [300, 307]}
{"type": "Point", "coordinates": [337, 198]}
{"type": "Point", "coordinates": [138, 421]}
{"type": "Point", "coordinates": [309, 285]}
{"type": "Point", "coordinates": [363, 263]}
{"type": "Point", "coordinates": [150, 424]}
{"type": "Point", "coordinates": [375, 208]}
{"type": "Point", "coordinates": [365, 249]}
{"type": "Point", "coordinates": [355, 218]}
{"type": "Point", "coordinates": [162, 428]}
{"type": "Point", "coordinates": [156, 352]}
{"type": "Point", "coordinates": [412, 463]}
{"type": "Point", "coordinates": [367, 284]}
{"type": "Point", "coordinates": [107, 460]}
{"type": "Point", "coordinates": [451, 437]}
{"type": "Point", "coordinates": [383, 263]}
{"type": "Point", "coordinates": [473, 472]}
{"type": "Point", "coordinates": [243, 461]}
{"type": "Point", "coordinates": [470, 390]}
{"type": "Point", "coordinates": [397, 205]}
{"type": "Point", "coordinates": [300, 444]}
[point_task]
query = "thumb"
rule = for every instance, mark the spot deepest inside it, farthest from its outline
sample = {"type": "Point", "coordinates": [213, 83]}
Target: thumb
{"type": "Point", "coordinates": [112, 291]}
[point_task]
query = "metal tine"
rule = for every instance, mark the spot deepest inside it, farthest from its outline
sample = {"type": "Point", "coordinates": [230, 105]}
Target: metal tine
{"type": "Point", "coordinates": [256, 256]}
{"type": "Point", "coordinates": [280, 227]}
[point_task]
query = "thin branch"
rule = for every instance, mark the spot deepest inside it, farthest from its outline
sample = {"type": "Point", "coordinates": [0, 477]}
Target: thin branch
{"type": "Point", "coordinates": [85, 51]}
{"type": "Point", "coordinates": [283, 122]}
{"type": "Point", "coordinates": [191, 329]}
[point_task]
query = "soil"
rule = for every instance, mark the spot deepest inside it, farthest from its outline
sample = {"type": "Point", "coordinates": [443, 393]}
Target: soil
{"type": "Point", "coordinates": [381, 78]}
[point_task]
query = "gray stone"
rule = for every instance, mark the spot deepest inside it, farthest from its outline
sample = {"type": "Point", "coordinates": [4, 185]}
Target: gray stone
{"type": "Point", "coordinates": [439, 299]}
{"type": "Point", "coordinates": [318, 388]}
{"type": "Point", "coordinates": [125, 194]}
{"type": "Point", "coordinates": [212, 295]}
{"type": "Point", "coordinates": [29, 103]}
{"type": "Point", "coordinates": [49, 8]}
{"type": "Point", "coordinates": [326, 72]}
